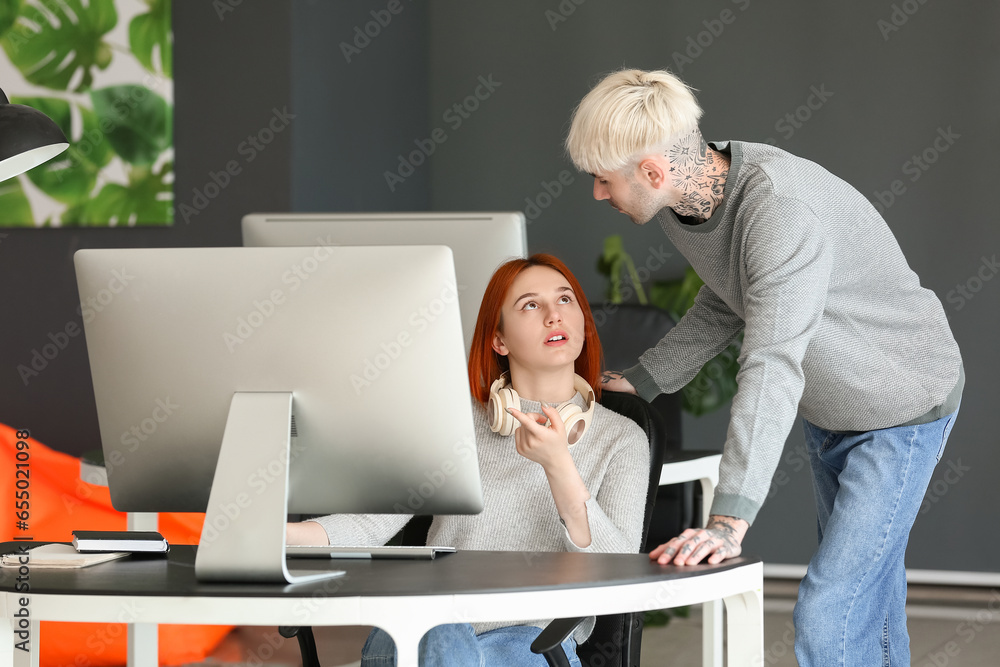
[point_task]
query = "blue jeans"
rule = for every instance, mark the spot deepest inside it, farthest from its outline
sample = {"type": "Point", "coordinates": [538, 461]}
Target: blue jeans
{"type": "Point", "coordinates": [869, 487]}
{"type": "Point", "coordinates": [456, 645]}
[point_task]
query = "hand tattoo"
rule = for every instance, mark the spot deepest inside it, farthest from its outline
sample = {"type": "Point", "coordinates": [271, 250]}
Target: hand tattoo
{"type": "Point", "coordinates": [725, 533]}
{"type": "Point", "coordinates": [608, 376]}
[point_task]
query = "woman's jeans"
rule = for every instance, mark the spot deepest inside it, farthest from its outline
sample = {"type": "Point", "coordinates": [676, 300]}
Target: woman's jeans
{"type": "Point", "coordinates": [869, 487]}
{"type": "Point", "coordinates": [457, 645]}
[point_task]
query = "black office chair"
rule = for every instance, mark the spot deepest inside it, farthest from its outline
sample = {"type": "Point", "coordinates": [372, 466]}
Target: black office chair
{"type": "Point", "coordinates": [616, 638]}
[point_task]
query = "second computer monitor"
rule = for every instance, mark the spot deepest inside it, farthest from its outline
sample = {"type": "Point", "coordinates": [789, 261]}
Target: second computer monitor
{"type": "Point", "coordinates": [480, 242]}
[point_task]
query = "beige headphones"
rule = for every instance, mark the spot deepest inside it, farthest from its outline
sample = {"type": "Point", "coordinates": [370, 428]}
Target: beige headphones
{"type": "Point", "coordinates": [576, 420]}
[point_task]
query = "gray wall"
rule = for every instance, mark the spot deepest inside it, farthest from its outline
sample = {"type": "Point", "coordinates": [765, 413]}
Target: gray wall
{"type": "Point", "coordinates": [886, 99]}
{"type": "Point", "coordinates": [358, 105]}
{"type": "Point", "coordinates": [353, 120]}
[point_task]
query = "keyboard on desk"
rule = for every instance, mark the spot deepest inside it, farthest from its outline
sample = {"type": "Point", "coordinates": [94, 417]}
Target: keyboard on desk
{"type": "Point", "coordinates": [373, 553]}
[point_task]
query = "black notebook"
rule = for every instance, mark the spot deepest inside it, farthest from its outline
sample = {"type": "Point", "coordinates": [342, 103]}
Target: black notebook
{"type": "Point", "coordinates": [136, 541]}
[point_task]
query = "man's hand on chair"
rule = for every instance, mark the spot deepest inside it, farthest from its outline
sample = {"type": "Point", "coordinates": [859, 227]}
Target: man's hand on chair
{"type": "Point", "coordinates": [719, 540]}
{"type": "Point", "coordinates": [615, 381]}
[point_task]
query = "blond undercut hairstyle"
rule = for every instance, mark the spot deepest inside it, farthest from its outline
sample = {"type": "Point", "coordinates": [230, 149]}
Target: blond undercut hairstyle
{"type": "Point", "coordinates": [629, 111]}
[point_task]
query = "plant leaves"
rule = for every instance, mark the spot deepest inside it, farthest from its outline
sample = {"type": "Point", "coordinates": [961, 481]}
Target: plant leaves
{"type": "Point", "coordinates": [612, 262]}
{"type": "Point", "coordinates": [9, 11]}
{"type": "Point", "coordinates": [141, 121]}
{"type": "Point", "coordinates": [71, 176]}
{"type": "Point", "coordinates": [138, 203]}
{"type": "Point", "coordinates": [151, 30]}
{"type": "Point", "coordinates": [15, 210]}
{"type": "Point", "coordinates": [53, 40]}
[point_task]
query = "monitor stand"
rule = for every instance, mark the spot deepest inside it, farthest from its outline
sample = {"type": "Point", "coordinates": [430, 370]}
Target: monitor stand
{"type": "Point", "coordinates": [243, 539]}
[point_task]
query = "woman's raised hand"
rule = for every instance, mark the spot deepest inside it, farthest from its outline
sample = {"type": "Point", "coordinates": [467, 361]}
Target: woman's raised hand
{"type": "Point", "coordinates": [544, 444]}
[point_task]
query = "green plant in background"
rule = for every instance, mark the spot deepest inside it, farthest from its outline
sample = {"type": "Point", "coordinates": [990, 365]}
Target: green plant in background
{"type": "Point", "coordinates": [715, 383]}
{"type": "Point", "coordinates": [56, 43]}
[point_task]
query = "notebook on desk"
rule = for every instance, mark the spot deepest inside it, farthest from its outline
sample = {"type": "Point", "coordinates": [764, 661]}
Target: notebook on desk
{"type": "Point", "coordinates": [372, 553]}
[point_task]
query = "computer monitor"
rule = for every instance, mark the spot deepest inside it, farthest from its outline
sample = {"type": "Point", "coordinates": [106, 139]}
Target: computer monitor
{"type": "Point", "coordinates": [253, 382]}
{"type": "Point", "coordinates": [480, 241]}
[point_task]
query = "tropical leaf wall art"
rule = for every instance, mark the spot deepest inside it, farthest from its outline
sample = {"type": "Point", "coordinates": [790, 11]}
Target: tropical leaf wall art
{"type": "Point", "coordinates": [102, 70]}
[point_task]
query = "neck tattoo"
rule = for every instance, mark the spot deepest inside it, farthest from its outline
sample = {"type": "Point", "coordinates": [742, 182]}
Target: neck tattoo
{"type": "Point", "coordinates": [699, 173]}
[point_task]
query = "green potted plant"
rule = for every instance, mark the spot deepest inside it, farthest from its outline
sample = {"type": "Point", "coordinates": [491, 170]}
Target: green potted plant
{"type": "Point", "coordinates": [715, 383]}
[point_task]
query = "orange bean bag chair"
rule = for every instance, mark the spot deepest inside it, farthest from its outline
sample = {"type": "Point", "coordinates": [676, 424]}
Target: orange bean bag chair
{"type": "Point", "coordinates": [61, 502]}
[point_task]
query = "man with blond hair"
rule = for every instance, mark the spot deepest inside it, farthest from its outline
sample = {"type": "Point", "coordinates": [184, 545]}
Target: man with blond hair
{"type": "Point", "coordinates": [835, 325]}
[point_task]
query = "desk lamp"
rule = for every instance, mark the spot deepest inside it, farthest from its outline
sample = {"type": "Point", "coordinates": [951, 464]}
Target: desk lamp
{"type": "Point", "coordinates": [27, 138]}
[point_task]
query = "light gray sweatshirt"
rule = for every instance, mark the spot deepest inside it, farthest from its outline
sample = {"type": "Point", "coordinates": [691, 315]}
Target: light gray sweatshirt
{"type": "Point", "coordinates": [519, 513]}
{"type": "Point", "coordinates": [835, 322]}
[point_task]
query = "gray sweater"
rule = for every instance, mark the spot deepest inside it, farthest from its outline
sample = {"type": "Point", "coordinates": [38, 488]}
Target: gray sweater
{"type": "Point", "coordinates": [520, 514]}
{"type": "Point", "coordinates": [835, 322]}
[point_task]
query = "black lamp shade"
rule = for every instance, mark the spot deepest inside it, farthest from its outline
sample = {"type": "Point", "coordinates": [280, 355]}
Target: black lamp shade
{"type": "Point", "coordinates": [27, 138]}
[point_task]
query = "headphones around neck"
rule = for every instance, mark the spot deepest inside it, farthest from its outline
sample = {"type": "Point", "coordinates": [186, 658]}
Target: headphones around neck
{"type": "Point", "coordinates": [576, 420]}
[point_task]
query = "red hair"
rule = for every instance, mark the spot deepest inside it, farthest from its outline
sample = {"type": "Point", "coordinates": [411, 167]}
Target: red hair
{"type": "Point", "coordinates": [485, 365]}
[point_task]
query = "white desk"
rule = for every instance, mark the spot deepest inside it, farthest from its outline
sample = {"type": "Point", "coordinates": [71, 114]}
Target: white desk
{"type": "Point", "coordinates": [405, 598]}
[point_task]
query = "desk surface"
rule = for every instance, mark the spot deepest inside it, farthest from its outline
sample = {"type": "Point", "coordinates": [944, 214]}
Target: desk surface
{"type": "Point", "coordinates": [464, 572]}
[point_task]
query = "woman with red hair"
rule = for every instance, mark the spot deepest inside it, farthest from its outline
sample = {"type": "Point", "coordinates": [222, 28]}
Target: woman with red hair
{"type": "Point", "coordinates": [559, 471]}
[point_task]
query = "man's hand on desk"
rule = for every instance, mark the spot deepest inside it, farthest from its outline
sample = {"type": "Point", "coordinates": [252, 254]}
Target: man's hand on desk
{"type": "Point", "coordinates": [719, 540]}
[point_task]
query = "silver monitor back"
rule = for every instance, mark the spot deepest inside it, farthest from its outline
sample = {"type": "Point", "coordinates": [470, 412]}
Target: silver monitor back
{"type": "Point", "coordinates": [479, 241]}
{"type": "Point", "coordinates": [380, 396]}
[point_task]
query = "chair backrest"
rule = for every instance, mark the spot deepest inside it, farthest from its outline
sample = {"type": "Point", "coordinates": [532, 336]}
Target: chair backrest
{"type": "Point", "coordinates": [650, 421]}
{"type": "Point", "coordinates": [628, 331]}
{"type": "Point", "coordinates": [616, 637]}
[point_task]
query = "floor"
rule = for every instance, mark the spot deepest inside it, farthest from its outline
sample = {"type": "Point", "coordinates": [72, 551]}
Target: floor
{"type": "Point", "coordinates": [949, 627]}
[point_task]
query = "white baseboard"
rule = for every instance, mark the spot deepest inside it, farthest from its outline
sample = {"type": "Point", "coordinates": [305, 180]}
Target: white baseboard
{"type": "Point", "coordinates": [937, 577]}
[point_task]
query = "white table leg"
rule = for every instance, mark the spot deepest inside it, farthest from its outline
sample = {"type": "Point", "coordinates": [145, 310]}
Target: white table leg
{"type": "Point", "coordinates": [711, 634]}
{"type": "Point", "coordinates": [711, 612]}
{"type": "Point", "coordinates": [143, 645]}
{"type": "Point", "coordinates": [143, 638]}
{"type": "Point", "coordinates": [18, 633]}
{"type": "Point", "coordinates": [746, 628]}
{"type": "Point", "coordinates": [407, 640]}
{"type": "Point", "coordinates": [36, 647]}
{"type": "Point", "coordinates": [7, 639]}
